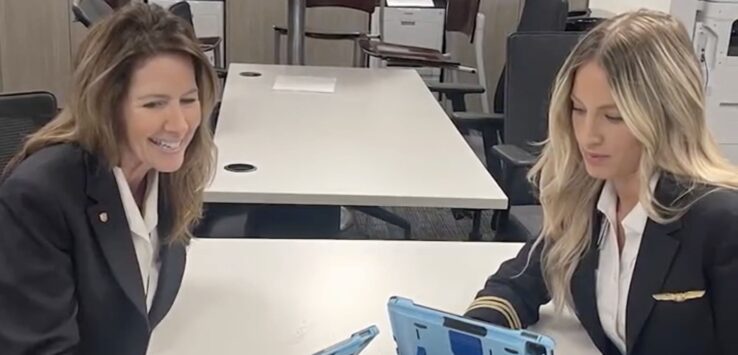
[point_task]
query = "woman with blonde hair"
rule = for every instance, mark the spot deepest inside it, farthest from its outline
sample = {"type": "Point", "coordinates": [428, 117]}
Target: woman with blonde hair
{"type": "Point", "coordinates": [640, 210]}
{"type": "Point", "coordinates": [97, 207]}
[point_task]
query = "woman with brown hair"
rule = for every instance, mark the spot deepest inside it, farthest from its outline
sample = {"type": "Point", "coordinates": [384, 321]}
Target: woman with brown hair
{"type": "Point", "coordinates": [96, 209]}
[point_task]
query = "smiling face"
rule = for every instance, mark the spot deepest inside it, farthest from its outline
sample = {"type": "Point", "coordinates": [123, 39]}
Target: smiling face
{"type": "Point", "coordinates": [609, 149]}
{"type": "Point", "coordinates": [160, 115]}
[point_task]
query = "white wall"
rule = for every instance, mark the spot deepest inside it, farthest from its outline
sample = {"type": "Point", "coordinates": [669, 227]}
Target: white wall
{"type": "Point", "coordinates": [684, 10]}
{"type": "Point", "coordinates": [618, 6]}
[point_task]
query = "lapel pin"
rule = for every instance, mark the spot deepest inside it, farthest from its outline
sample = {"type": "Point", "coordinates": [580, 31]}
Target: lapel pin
{"type": "Point", "coordinates": [103, 217]}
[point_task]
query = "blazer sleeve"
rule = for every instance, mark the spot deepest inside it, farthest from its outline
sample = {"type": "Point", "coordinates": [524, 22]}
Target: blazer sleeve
{"type": "Point", "coordinates": [513, 295]}
{"type": "Point", "coordinates": [37, 293]}
{"type": "Point", "coordinates": [722, 275]}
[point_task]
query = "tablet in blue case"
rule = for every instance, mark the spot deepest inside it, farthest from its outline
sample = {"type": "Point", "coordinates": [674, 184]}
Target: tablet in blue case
{"type": "Point", "coordinates": [420, 330]}
{"type": "Point", "coordinates": [353, 345]}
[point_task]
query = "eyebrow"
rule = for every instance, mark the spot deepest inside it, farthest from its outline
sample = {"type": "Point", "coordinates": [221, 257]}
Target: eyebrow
{"type": "Point", "coordinates": [605, 107]}
{"type": "Point", "coordinates": [160, 96]}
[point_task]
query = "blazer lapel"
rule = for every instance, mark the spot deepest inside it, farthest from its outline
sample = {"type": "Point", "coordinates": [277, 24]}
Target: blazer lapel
{"type": "Point", "coordinates": [172, 257]}
{"type": "Point", "coordinates": [108, 220]}
{"type": "Point", "coordinates": [583, 289]}
{"type": "Point", "coordinates": [655, 256]}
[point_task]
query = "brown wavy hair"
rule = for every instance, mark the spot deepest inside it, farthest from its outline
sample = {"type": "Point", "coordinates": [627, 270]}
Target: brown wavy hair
{"type": "Point", "coordinates": [113, 49]}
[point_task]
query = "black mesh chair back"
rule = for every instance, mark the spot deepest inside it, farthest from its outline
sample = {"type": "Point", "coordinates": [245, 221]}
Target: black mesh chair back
{"type": "Point", "coordinates": [20, 115]}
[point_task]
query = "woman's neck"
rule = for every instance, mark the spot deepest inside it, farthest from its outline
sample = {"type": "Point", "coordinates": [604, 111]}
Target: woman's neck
{"type": "Point", "coordinates": [136, 178]}
{"type": "Point", "coordinates": [627, 190]}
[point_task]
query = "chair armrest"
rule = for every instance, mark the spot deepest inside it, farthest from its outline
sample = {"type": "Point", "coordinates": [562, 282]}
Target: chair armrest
{"type": "Point", "coordinates": [456, 88]}
{"type": "Point", "coordinates": [210, 41]}
{"type": "Point", "coordinates": [327, 34]}
{"type": "Point", "coordinates": [514, 155]}
{"type": "Point", "coordinates": [516, 162]}
{"type": "Point", "coordinates": [478, 116]}
{"type": "Point", "coordinates": [478, 120]}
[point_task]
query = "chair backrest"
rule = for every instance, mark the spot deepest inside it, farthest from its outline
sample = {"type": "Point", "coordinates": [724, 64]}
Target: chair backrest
{"type": "Point", "coordinates": [533, 61]}
{"type": "Point", "coordinates": [20, 115]}
{"type": "Point", "coordinates": [89, 12]}
{"type": "Point", "coordinates": [361, 5]}
{"type": "Point", "coordinates": [543, 15]}
{"type": "Point", "coordinates": [182, 10]}
{"type": "Point", "coordinates": [461, 16]}
{"type": "Point", "coordinates": [539, 16]}
{"type": "Point", "coordinates": [367, 6]}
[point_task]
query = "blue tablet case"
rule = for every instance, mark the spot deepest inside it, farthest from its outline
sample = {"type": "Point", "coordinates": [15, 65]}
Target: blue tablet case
{"type": "Point", "coordinates": [353, 345]}
{"type": "Point", "coordinates": [420, 330]}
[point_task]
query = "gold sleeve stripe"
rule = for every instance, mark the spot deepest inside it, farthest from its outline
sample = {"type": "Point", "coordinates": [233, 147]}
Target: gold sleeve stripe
{"type": "Point", "coordinates": [497, 307]}
{"type": "Point", "coordinates": [504, 303]}
{"type": "Point", "coordinates": [514, 324]}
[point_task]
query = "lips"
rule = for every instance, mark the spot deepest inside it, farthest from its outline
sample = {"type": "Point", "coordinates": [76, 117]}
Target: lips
{"type": "Point", "coordinates": [167, 145]}
{"type": "Point", "coordinates": [595, 158]}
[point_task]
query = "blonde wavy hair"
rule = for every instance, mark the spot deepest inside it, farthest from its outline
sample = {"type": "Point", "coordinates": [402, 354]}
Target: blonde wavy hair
{"type": "Point", "coordinates": [107, 58]}
{"type": "Point", "coordinates": [657, 86]}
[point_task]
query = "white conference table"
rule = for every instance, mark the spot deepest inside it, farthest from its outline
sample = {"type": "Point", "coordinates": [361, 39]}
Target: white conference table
{"type": "Point", "coordinates": [295, 297]}
{"type": "Point", "coordinates": [380, 139]}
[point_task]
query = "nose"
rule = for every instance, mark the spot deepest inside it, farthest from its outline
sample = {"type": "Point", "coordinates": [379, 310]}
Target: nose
{"type": "Point", "coordinates": [177, 121]}
{"type": "Point", "coordinates": [591, 131]}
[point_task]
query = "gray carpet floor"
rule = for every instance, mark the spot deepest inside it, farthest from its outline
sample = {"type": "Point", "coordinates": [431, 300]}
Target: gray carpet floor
{"type": "Point", "coordinates": [427, 224]}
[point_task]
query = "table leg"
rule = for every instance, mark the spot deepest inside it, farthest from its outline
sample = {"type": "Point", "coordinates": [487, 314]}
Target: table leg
{"type": "Point", "coordinates": [296, 32]}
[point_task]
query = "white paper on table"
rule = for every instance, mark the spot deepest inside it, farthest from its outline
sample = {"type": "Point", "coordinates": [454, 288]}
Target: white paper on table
{"type": "Point", "coordinates": [305, 83]}
{"type": "Point", "coordinates": [410, 3]}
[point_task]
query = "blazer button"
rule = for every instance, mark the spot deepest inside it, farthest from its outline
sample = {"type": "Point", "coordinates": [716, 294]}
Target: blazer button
{"type": "Point", "coordinates": [103, 217]}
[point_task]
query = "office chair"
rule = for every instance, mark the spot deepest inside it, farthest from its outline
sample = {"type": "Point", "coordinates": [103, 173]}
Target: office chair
{"type": "Point", "coordinates": [87, 12]}
{"type": "Point", "coordinates": [533, 61]}
{"type": "Point", "coordinates": [366, 6]}
{"type": "Point", "coordinates": [20, 115]}
{"type": "Point", "coordinates": [183, 10]}
{"type": "Point", "coordinates": [537, 15]}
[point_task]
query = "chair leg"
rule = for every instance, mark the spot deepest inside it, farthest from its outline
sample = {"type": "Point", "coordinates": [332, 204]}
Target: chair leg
{"type": "Point", "coordinates": [387, 216]}
{"type": "Point", "coordinates": [476, 233]}
{"type": "Point", "coordinates": [489, 140]}
{"type": "Point", "coordinates": [458, 102]}
{"type": "Point", "coordinates": [499, 220]}
{"type": "Point", "coordinates": [277, 47]}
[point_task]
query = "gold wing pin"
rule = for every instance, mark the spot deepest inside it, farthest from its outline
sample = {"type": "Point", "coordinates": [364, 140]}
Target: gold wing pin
{"type": "Point", "coordinates": [679, 296]}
